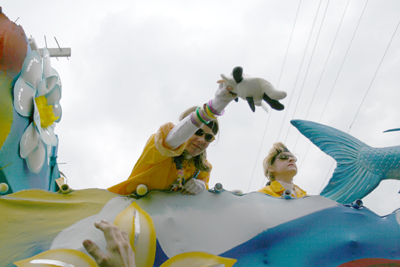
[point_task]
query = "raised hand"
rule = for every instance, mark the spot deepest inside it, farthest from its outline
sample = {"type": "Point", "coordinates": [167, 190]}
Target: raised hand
{"type": "Point", "coordinates": [119, 252]}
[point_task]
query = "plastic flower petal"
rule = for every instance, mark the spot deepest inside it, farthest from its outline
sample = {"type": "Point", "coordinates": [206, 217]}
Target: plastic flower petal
{"type": "Point", "coordinates": [50, 77]}
{"type": "Point", "coordinates": [49, 131]}
{"type": "Point", "coordinates": [35, 160]}
{"type": "Point", "coordinates": [59, 257]}
{"type": "Point", "coordinates": [47, 70]}
{"type": "Point", "coordinates": [23, 98]}
{"type": "Point", "coordinates": [54, 96]}
{"type": "Point", "coordinates": [57, 112]}
{"type": "Point", "coordinates": [29, 141]}
{"type": "Point", "coordinates": [56, 105]}
{"type": "Point", "coordinates": [32, 149]}
{"type": "Point", "coordinates": [26, 86]}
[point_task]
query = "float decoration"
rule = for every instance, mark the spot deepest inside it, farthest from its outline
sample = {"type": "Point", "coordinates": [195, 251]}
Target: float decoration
{"type": "Point", "coordinates": [254, 229]}
{"type": "Point", "coordinates": [216, 227]}
{"type": "Point", "coordinates": [37, 91]}
{"type": "Point", "coordinates": [360, 168]}
{"type": "Point", "coordinates": [33, 130]}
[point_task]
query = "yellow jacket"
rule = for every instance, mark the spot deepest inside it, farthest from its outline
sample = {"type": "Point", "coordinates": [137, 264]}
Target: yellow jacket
{"type": "Point", "coordinates": [156, 167]}
{"type": "Point", "coordinates": [275, 189]}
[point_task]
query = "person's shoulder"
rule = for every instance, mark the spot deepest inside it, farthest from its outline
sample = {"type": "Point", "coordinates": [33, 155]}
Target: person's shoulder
{"type": "Point", "coordinates": [276, 186]}
{"type": "Point", "coordinates": [261, 190]}
{"type": "Point", "coordinates": [265, 189]}
{"type": "Point", "coordinates": [303, 192]}
{"type": "Point", "coordinates": [274, 189]}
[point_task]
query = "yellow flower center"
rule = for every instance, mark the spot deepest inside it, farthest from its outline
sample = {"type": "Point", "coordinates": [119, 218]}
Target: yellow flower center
{"type": "Point", "coordinates": [47, 117]}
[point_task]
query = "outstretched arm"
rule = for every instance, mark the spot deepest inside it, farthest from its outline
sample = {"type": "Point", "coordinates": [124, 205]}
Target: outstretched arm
{"type": "Point", "coordinates": [119, 252]}
{"type": "Point", "coordinates": [189, 125]}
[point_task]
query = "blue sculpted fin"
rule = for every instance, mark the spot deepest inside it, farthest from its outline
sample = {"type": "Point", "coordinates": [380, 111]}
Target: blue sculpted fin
{"type": "Point", "coordinates": [354, 176]}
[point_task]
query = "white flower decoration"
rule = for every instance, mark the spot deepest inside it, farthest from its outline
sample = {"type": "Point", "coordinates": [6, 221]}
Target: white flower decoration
{"type": "Point", "coordinates": [38, 91]}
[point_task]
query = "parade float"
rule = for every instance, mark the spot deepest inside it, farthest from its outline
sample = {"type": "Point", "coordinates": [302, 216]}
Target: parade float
{"type": "Point", "coordinates": [44, 222]}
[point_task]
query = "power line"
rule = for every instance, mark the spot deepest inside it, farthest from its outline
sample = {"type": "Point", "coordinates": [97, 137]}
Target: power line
{"type": "Point", "coordinates": [283, 66]}
{"type": "Point", "coordinates": [329, 56]}
{"type": "Point", "coordinates": [308, 67]}
{"type": "Point", "coordinates": [258, 154]}
{"type": "Point", "coordinates": [328, 59]}
{"type": "Point", "coordinates": [322, 74]}
{"type": "Point", "coordinates": [344, 60]}
{"type": "Point", "coordinates": [373, 78]}
{"type": "Point", "coordinates": [302, 61]}
{"type": "Point", "coordinates": [290, 41]}
{"type": "Point", "coordinates": [336, 79]}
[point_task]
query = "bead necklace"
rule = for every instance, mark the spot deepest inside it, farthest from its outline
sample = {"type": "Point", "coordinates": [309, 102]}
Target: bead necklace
{"type": "Point", "coordinates": [180, 182]}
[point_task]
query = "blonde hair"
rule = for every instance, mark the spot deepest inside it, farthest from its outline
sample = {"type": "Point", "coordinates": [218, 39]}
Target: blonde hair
{"type": "Point", "coordinates": [200, 161]}
{"type": "Point", "coordinates": [269, 160]}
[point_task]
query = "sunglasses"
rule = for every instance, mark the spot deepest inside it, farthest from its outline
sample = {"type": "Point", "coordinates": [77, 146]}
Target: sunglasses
{"type": "Point", "coordinates": [208, 137]}
{"type": "Point", "coordinates": [286, 157]}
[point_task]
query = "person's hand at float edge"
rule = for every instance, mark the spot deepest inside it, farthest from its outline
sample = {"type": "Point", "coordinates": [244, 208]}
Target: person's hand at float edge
{"type": "Point", "coordinates": [193, 186]}
{"type": "Point", "coordinates": [119, 252]}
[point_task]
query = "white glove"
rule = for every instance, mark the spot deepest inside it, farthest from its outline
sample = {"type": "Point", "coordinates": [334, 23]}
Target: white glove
{"type": "Point", "coordinates": [194, 186]}
{"type": "Point", "coordinates": [253, 90]}
{"type": "Point", "coordinates": [223, 96]}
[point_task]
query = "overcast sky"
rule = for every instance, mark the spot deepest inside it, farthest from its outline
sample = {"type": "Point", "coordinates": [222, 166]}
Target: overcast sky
{"type": "Point", "coordinates": [138, 64]}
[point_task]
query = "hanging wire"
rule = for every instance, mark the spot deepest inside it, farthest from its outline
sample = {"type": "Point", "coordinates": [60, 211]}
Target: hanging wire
{"type": "Point", "coordinates": [280, 75]}
{"type": "Point", "coordinates": [288, 46]}
{"type": "Point", "coordinates": [258, 154]}
{"type": "Point", "coordinates": [308, 67]}
{"type": "Point", "coordinates": [335, 79]}
{"type": "Point", "coordinates": [302, 61]}
{"type": "Point", "coordinates": [373, 79]}
{"type": "Point", "coordinates": [369, 87]}
{"type": "Point", "coordinates": [328, 58]}
{"type": "Point", "coordinates": [322, 74]}
{"type": "Point", "coordinates": [344, 60]}
{"type": "Point", "coordinates": [337, 76]}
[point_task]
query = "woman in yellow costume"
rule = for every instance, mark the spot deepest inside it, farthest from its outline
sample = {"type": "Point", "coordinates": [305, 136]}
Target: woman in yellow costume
{"type": "Point", "coordinates": [174, 158]}
{"type": "Point", "coordinates": [280, 168]}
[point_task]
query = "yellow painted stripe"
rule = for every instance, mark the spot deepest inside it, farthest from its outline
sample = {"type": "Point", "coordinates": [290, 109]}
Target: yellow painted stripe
{"type": "Point", "coordinates": [145, 249]}
{"type": "Point", "coordinates": [197, 259]}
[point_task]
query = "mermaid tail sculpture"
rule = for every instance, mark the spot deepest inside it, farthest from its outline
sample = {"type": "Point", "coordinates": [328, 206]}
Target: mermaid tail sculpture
{"type": "Point", "coordinates": [360, 168]}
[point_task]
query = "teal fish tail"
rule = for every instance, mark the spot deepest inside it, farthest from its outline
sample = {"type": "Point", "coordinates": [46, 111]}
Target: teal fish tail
{"type": "Point", "coordinates": [354, 176]}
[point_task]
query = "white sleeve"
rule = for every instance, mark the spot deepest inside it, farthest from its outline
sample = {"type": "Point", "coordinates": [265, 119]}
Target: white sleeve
{"type": "Point", "coordinates": [185, 128]}
{"type": "Point", "coordinates": [180, 133]}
